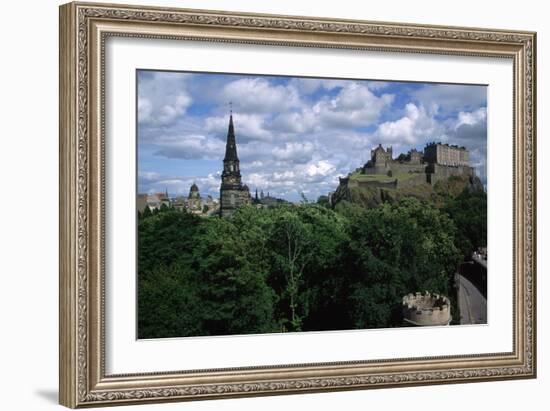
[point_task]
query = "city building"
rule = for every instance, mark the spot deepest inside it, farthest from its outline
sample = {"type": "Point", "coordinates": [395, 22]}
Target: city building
{"type": "Point", "coordinates": [194, 200]}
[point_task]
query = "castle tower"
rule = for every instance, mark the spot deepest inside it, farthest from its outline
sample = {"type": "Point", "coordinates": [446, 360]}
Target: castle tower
{"type": "Point", "coordinates": [233, 193]}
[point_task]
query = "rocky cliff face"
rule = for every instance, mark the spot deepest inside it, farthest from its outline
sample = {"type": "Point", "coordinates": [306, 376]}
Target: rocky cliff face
{"type": "Point", "coordinates": [371, 196]}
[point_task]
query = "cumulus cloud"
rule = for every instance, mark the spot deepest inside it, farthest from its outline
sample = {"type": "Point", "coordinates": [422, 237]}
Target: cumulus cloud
{"type": "Point", "coordinates": [249, 127]}
{"type": "Point", "coordinates": [294, 151]}
{"type": "Point", "coordinates": [162, 97]}
{"type": "Point", "coordinates": [258, 95]}
{"type": "Point", "coordinates": [471, 118]}
{"type": "Point", "coordinates": [190, 147]}
{"type": "Point", "coordinates": [354, 106]}
{"type": "Point", "coordinates": [294, 135]}
{"type": "Point", "coordinates": [208, 184]}
{"type": "Point", "coordinates": [413, 128]}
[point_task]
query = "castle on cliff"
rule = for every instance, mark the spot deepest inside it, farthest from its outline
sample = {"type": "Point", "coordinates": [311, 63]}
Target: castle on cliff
{"type": "Point", "coordinates": [437, 162]}
{"type": "Point", "coordinates": [415, 169]}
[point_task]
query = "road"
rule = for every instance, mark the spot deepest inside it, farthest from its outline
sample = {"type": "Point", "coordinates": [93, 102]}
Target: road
{"type": "Point", "coordinates": [473, 306]}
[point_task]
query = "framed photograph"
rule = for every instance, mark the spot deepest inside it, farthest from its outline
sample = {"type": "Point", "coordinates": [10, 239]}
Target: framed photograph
{"type": "Point", "coordinates": [259, 204]}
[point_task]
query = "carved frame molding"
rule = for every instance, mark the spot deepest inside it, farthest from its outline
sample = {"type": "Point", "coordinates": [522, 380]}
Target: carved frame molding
{"type": "Point", "coordinates": [83, 30]}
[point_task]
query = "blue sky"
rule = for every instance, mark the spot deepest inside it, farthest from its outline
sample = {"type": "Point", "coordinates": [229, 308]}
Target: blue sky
{"type": "Point", "coordinates": [293, 134]}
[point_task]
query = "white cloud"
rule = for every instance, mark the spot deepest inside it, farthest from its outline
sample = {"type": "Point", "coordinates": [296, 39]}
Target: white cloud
{"type": "Point", "coordinates": [163, 97]}
{"type": "Point", "coordinates": [354, 106]}
{"type": "Point", "coordinates": [414, 127]}
{"type": "Point", "coordinates": [190, 147]}
{"type": "Point", "coordinates": [177, 186]}
{"type": "Point", "coordinates": [258, 95]}
{"type": "Point", "coordinates": [247, 127]}
{"type": "Point", "coordinates": [295, 152]}
{"type": "Point", "coordinates": [296, 137]}
{"type": "Point", "coordinates": [471, 118]}
{"type": "Point", "coordinates": [319, 169]}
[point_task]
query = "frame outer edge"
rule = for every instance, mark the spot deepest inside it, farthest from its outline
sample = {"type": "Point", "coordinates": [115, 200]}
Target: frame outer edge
{"type": "Point", "coordinates": [535, 203]}
{"type": "Point", "coordinates": [68, 328]}
{"type": "Point", "coordinates": [76, 349]}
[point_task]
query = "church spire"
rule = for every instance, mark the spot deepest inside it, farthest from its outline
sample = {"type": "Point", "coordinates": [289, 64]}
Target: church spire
{"type": "Point", "coordinates": [233, 193]}
{"type": "Point", "coordinates": [231, 145]}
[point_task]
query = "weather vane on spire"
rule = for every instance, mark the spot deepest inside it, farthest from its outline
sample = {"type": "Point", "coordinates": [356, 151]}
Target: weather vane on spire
{"type": "Point", "coordinates": [230, 107]}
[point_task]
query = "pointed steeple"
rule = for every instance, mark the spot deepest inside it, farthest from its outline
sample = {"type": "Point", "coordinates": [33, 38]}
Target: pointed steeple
{"type": "Point", "coordinates": [233, 193]}
{"type": "Point", "coordinates": [231, 145]}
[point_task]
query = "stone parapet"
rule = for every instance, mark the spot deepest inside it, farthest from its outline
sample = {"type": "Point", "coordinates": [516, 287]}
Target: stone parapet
{"type": "Point", "coordinates": [426, 309]}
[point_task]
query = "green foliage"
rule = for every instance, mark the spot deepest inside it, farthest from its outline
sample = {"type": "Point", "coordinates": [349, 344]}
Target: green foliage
{"type": "Point", "coordinates": [291, 267]}
{"type": "Point", "coordinates": [304, 243]}
{"type": "Point", "coordinates": [233, 288]}
{"type": "Point", "coordinates": [397, 249]}
{"type": "Point", "coordinates": [469, 213]}
{"type": "Point", "coordinates": [164, 238]}
{"type": "Point", "coordinates": [146, 212]}
{"type": "Point", "coordinates": [323, 201]}
{"type": "Point", "coordinates": [169, 304]}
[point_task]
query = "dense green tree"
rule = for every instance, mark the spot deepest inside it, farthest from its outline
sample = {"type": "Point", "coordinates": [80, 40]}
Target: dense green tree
{"type": "Point", "coordinates": [397, 249]}
{"type": "Point", "coordinates": [169, 304]}
{"type": "Point", "coordinates": [305, 244]}
{"type": "Point", "coordinates": [165, 238]}
{"type": "Point", "coordinates": [235, 296]}
{"type": "Point", "coordinates": [146, 212]}
{"type": "Point", "coordinates": [469, 213]}
{"type": "Point", "coordinates": [291, 267]}
{"type": "Point", "coordinates": [323, 201]}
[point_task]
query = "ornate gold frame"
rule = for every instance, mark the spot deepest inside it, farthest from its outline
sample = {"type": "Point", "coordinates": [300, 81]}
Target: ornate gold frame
{"type": "Point", "coordinates": [83, 30]}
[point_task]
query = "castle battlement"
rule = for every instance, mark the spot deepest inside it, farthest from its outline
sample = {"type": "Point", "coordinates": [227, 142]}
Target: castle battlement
{"type": "Point", "coordinates": [426, 309]}
{"type": "Point", "coordinates": [438, 161]}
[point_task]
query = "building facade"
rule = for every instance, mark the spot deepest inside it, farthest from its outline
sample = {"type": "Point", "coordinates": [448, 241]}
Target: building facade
{"type": "Point", "coordinates": [380, 157]}
{"type": "Point", "coordinates": [194, 200]}
{"type": "Point", "coordinates": [446, 155]}
{"type": "Point", "coordinates": [233, 193]}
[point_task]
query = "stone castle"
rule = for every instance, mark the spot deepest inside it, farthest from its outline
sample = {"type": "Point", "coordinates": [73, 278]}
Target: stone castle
{"type": "Point", "coordinates": [437, 162]}
{"type": "Point", "coordinates": [233, 193]}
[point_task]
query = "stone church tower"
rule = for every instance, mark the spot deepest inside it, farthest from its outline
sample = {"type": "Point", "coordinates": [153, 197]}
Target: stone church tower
{"type": "Point", "coordinates": [194, 200]}
{"type": "Point", "coordinates": [233, 193]}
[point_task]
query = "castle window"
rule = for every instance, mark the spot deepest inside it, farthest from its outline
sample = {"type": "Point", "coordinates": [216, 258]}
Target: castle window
{"type": "Point", "coordinates": [232, 199]}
